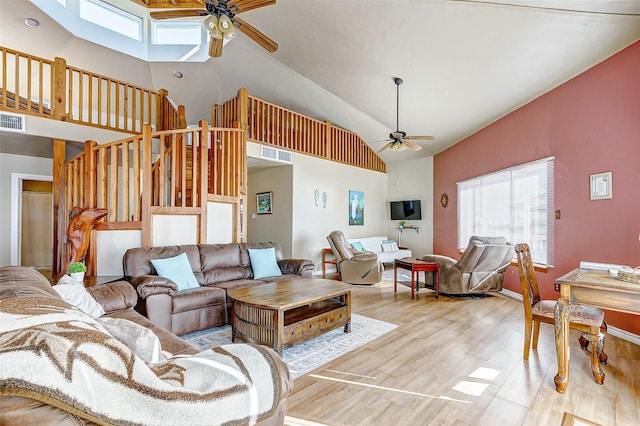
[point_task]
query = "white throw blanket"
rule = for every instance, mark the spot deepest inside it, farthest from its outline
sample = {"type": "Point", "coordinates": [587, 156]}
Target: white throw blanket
{"type": "Point", "coordinates": [52, 352]}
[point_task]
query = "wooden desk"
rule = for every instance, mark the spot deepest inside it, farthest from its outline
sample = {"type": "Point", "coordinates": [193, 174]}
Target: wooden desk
{"type": "Point", "coordinates": [593, 288]}
{"type": "Point", "coordinates": [416, 266]}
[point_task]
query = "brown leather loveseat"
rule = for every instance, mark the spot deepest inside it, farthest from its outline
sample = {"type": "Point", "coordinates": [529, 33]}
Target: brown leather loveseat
{"type": "Point", "coordinates": [217, 267]}
{"type": "Point", "coordinates": [60, 366]}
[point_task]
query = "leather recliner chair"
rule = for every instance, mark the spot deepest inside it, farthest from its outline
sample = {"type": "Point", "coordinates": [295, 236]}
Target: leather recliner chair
{"type": "Point", "coordinates": [354, 268]}
{"type": "Point", "coordinates": [480, 268]}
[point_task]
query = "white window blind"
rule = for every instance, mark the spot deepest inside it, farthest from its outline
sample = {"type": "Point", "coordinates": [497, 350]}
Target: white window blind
{"type": "Point", "coordinates": [516, 203]}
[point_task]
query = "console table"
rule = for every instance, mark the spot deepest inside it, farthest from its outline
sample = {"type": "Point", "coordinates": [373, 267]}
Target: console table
{"type": "Point", "coordinates": [593, 288]}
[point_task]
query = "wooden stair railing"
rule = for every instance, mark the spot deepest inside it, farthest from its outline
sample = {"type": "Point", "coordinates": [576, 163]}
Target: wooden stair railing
{"type": "Point", "coordinates": [191, 167]}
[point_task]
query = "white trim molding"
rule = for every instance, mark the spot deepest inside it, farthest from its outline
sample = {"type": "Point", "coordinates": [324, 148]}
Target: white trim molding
{"type": "Point", "coordinates": [16, 210]}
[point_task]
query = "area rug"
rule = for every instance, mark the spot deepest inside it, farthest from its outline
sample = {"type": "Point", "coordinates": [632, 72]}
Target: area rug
{"type": "Point", "coordinates": [309, 355]}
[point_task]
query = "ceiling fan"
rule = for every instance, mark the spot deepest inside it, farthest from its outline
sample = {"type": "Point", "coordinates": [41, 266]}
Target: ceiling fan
{"type": "Point", "coordinates": [222, 22]}
{"type": "Point", "coordinates": [399, 140]}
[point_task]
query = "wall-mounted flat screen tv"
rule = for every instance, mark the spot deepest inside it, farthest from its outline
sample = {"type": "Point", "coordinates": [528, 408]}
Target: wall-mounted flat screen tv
{"type": "Point", "coordinates": [406, 210]}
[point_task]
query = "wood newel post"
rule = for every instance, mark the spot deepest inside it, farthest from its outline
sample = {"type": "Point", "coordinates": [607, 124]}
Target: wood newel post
{"type": "Point", "coordinates": [90, 178]}
{"type": "Point", "coordinates": [59, 88]}
{"type": "Point", "coordinates": [328, 140]}
{"type": "Point", "coordinates": [204, 178]}
{"type": "Point", "coordinates": [161, 118]}
{"type": "Point", "coordinates": [59, 210]}
{"type": "Point", "coordinates": [147, 222]}
{"type": "Point", "coordinates": [243, 108]}
{"type": "Point", "coordinates": [182, 119]}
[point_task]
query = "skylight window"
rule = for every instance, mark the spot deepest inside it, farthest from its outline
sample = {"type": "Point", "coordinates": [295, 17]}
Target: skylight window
{"type": "Point", "coordinates": [111, 18]}
{"type": "Point", "coordinates": [181, 33]}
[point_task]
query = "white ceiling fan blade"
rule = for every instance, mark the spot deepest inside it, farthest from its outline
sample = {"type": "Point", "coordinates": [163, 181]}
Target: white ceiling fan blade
{"type": "Point", "coordinates": [412, 146]}
{"type": "Point", "coordinates": [420, 138]}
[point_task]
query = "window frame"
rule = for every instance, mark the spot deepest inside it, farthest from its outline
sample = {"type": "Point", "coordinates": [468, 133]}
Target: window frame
{"type": "Point", "coordinates": [503, 189]}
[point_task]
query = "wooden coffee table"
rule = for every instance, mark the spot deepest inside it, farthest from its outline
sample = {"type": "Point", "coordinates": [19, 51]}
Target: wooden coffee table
{"type": "Point", "coordinates": [416, 266]}
{"type": "Point", "coordinates": [287, 313]}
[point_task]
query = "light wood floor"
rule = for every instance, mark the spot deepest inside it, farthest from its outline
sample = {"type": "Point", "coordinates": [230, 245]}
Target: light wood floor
{"type": "Point", "coordinates": [459, 362]}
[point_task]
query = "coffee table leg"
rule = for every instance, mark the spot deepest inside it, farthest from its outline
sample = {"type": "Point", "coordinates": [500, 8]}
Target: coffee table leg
{"type": "Point", "coordinates": [437, 273]}
{"type": "Point", "coordinates": [347, 327]}
{"type": "Point", "coordinates": [233, 334]}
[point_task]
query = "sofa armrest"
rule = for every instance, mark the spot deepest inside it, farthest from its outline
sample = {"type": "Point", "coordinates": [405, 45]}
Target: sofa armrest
{"type": "Point", "coordinates": [444, 261]}
{"type": "Point", "coordinates": [114, 296]}
{"type": "Point", "coordinates": [367, 256]}
{"type": "Point", "coordinates": [302, 267]}
{"type": "Point", "coordinates": [147, 285]}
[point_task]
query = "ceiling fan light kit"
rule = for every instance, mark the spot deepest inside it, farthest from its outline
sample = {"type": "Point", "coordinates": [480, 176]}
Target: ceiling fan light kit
{"type": "Point", "coordinates": [398, 140]}
{"type": "Point", "coordinates": [221, 22]}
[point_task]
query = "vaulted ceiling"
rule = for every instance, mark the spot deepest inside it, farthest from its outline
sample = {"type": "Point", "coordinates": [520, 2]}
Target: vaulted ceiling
{"type": "Point", "coordinates": [465, 63]}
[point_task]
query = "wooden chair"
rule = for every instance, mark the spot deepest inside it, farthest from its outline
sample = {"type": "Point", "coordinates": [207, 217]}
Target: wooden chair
{"type": "Point", "coordinates": [586, 319]}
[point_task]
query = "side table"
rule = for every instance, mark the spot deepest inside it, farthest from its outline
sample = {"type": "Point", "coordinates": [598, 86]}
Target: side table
{"type": "Point", "coordinates": [416, 266]}
{"type": "Point", "coordinates": [325, 261]}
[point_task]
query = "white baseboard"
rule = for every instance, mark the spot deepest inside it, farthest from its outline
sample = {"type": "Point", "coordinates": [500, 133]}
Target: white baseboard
{"type": "Point", "coordinates": [614, 331]}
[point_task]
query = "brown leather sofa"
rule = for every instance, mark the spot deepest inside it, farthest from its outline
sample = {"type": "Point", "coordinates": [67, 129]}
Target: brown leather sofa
{"type": "Point", "coordinates": [25, 293]}
{"type": "Point", "coordinates": [217, 267]}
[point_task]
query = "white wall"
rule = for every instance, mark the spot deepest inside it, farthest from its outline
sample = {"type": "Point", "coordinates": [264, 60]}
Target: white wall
{"type": "Point", "coordinates": [10, 163]}
{"type": "Point", "coordinates": [278, 225]}
{"type": "Point", "coordinates": [312, 224]}
{"type": "Point", "coordinates": [413, 180]}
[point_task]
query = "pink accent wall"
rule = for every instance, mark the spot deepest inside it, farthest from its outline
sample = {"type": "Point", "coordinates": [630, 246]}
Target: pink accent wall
{"type": "Point", "coordinates": [591, 124]}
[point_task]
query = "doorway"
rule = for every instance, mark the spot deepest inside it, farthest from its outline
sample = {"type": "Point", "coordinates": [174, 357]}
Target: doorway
{"type": "Point", "coordinates": [32, 222]}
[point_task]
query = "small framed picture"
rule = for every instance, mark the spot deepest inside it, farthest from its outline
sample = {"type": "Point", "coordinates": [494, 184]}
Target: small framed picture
{"type": "Point", "coordinates": [600, 184]}
{"type": "Point", "coordinates": [264, 202]}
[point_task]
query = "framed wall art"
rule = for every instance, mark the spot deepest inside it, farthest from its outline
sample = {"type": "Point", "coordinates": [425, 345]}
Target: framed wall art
{"type": "Point", "coordinates": [356, 208]}
{"type": "Point", "coordinates": [600, 186]}
{"type": "Point", "coordinates": [264, 202]}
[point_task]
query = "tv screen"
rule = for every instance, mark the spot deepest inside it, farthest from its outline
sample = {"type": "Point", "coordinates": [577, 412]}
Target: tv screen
{"type": "Point", "coordinates": [406, 210]}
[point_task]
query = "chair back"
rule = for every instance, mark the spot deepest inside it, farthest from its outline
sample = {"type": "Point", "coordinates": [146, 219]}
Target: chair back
{"type": "Point", "coordinates": [530, 292]}
{"type": "Point", "coordinates": [339, 246]}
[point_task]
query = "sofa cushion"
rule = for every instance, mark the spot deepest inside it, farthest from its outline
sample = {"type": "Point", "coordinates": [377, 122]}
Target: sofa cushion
{"type": "Point", "coordinates": [197, 298]}
{"type": "Point", "coordinates": [223, 262]}
{"type": "Point", "coordinates": [389, 245]}
{"type": "Point", "coordinates": [177, 269]}
{"type": "Point", "coordinates": [263, 263]}
{"type": "Point", "coordinates": [137, 261]}
{"type": "Point", "coordinates": [357, 246]}
{"type": "Point", "coordinates": [374, 244]}
{"type": "Point", "coordinates": [75, 294]}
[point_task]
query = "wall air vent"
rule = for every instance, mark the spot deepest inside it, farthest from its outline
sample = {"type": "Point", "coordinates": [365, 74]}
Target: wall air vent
{"type": "Point", "coordinates": [12, 122]}
{"type": "Point", "coordinates": [276, 154]}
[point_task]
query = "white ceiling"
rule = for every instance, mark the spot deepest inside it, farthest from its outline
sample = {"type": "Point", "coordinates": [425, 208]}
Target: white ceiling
{"type": "Point", "coordinates": [465, 63]}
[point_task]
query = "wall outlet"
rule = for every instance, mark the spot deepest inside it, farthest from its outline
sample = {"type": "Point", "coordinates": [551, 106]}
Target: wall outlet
{"type": "Point", "coordinates": [253, 215]}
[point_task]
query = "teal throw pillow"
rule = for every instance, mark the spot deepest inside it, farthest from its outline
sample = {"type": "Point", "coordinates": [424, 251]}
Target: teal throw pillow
{"type": "Point", "coordinates": [264, 263]}
{"type": "Point", "coordinates": [357, 246]}
{"type": "Point", "coordinates": [178, 270]}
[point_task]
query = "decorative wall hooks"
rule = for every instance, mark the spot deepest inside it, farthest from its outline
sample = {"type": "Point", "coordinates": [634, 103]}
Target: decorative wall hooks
{"type": "Point", "coordinates": [324, 200]}
{"type": "Point", "coordinates": [316, 195]}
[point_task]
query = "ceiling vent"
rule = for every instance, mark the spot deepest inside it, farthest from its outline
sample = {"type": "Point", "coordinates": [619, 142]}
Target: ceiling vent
{"type": "Point", "coordinates": [12, 122]}
{"type": "Point", "coordinates": [276, 154]}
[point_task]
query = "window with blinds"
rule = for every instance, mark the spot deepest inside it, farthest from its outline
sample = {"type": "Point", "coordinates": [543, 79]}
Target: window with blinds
{"type": "Point", "coordinates": [516, 203]}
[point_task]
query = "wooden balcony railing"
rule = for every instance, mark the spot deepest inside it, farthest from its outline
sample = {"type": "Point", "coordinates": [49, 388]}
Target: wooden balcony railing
{"type": "Point", "coordinates": [129, 179]}
{"type": "Point", "coordinates": [53, 89]}
{"type": "Point", "coordinates": [270, 124]}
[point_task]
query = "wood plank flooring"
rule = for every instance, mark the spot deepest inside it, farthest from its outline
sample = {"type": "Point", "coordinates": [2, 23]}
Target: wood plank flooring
{"type": "Point", "coordinates": [459, 362]}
